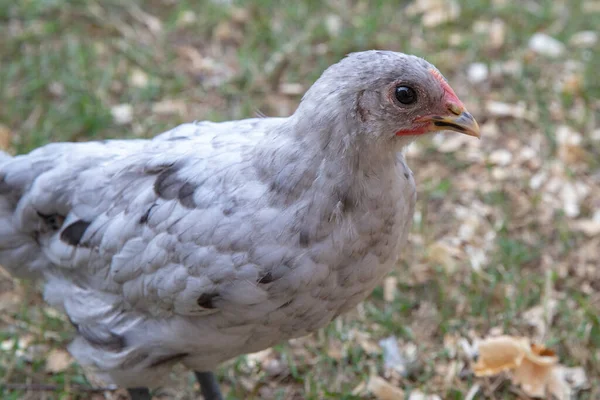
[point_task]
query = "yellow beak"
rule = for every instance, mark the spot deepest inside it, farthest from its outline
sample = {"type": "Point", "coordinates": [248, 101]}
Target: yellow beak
{"type": "Point", "coordinates": [459, 120]}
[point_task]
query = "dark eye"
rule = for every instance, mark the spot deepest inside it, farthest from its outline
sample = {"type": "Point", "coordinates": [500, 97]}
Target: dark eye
{"type": "Point", "coordinates": [405, 95]}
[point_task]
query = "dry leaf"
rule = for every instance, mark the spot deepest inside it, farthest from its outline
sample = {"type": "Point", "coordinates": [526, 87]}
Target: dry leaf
{"type": "Point", "coordinates": [366, 343]}
{"type": "Point", "coordinates": [499, 354]}
{"type": "Point", "coordinates": [122, 114]}
{"type": "Point", "coordinates": [531, 366]}
{"type": "Point", "coordinates": [384, 390]}
{"type": "Point", "coordinates": [418, 395]}
{"type": "Point", "coordinates": [546, 45]}
{"type": "Point", "coordinates": [5, 137]}
{"type": "Point", "coordinates": [291, 88]}
{"type": "Point", "coordinates": [540, 317]}
{"type": "Point", "coordinates": [434, 12]}
{"type": "Point", "coordinates": [170, 107]}
{"type": "Point", "coordinates": [570, 145]}
{"type": "Point", "coordinates": [534, 373]}
{"type": "Point", "coordinates": [138, 78]}
{"type": "Point", "coordinates": [443, 254]}
{"type": "Point", "coordinates": [477, 72]}
{"type": "Point", "coordinates": [335, 350]}
{"type": "Point", "coordinates": [518, 111]}
{"type": "Point", "coordinates": [57, 361]}
{"type": "Point", "coordinates": [563, 381]}
{"type": "Point", "coordinates": [389, 288]}
{"type": "Point", "coordinates": [501, 157]}
{"type": "Point", "coordinates": [590, 227]}
{"type": "Point", "coordinates": [584, 39]}
{"type": "Point", "coordinates": [497, 33]}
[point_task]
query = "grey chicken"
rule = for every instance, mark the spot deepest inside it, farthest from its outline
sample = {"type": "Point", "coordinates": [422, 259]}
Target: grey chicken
{"type": "Point", "coordinates": [217, 239]}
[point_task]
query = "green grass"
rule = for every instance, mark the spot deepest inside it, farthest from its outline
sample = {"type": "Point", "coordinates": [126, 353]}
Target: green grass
{"type": "Point", "coordinates": [66, 64]}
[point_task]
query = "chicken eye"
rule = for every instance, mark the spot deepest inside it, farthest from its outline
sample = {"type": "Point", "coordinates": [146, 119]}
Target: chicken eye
{"type": "Point", "coordinates": [406, 95]}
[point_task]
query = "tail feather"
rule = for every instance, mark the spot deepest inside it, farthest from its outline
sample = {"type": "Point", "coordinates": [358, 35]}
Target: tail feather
{"type": "Point", "coordinates": [19, 252]}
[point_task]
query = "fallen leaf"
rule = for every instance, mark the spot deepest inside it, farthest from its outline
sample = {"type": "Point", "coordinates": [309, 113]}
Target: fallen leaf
{"type": "Point", "coordinates": [418, 395]}
{"type": "Point", "coordinates": [389, 288]}
{"type": "Point", "coordinates": [434, 12]}
{"type": "Point", "coordinates": [122, 114]}
{"type": "Point", "coordinates": [499, 354]}
{"type": "Point", "coordinates": [497, 33]}
{"type": "Point", "coordinates": [443, 254]}
{"type": "Point", "coordinates": [534, 373]}
{"type": "Point", "coordinates": [57, 361]}
{"type": "Point", "coordinates": [366, 343]}
{"type": "Point", "coordinates": [138, 78]}
{"type": "Point", "coordinates": [518, 111]}
{"type": "Point", "coordinates": [584, 39]}
{"type": "Point", "coordinates": [291, 88]}
{"type": "Point", "coordinates": [500, 157]}
{"type": "Point", "coordinates": [5, 137]}
{"type": "Point", "coordinates": [532, 366]}
{"type": "Point", "coordinates": [383, 390]}
{"type": "Point", "coordinates": [590, 227]}
{"type": "Point", "coordinates": [546, 45]}
{"type": "Point", "coordinates": [170, 107]}
{"type": "Point", "coordinates": [477, 72]}
{"type": "Point", "coordinates": [540, 317]}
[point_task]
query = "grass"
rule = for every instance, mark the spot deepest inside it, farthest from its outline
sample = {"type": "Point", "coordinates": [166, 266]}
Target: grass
{"type": "Point", "coordinates": [66, 65]}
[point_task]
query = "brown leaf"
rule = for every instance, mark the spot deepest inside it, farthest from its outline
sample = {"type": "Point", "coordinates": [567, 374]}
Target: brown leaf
{"type": "Point", "coordinates": [499, 354]}
{"type": "Point", "coordinates": [383, 390]}
{"type": "Point", "coordinates": [389, 288]}
{"type": "Point", "coordinates": [5, 137]}
{"type": "Point", "coordinates": [535, 371]}
{"type": "Point", "coordinates": [57, 361]}
{"type": "Point", "coordinates": [533, 367]}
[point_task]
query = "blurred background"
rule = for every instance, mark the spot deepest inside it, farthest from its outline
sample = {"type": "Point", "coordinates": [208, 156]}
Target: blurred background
{"type": "Point", "coordinates": [506, 238]}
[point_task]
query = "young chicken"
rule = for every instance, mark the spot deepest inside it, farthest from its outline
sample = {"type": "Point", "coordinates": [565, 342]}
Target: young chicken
{"type": "Point", "coordinates": [218, 239]}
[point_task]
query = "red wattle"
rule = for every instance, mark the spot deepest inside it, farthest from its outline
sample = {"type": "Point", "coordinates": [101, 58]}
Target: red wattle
{"type": "Point", "coordinates": [412, 132]}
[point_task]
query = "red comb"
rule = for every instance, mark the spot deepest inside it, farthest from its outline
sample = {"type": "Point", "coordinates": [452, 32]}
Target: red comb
{"type": "Point", "coordinates": [450, 95]}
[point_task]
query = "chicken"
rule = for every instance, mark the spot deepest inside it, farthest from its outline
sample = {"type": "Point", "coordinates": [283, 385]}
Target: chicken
{"type": "Point", "coordinates": [217, 239]}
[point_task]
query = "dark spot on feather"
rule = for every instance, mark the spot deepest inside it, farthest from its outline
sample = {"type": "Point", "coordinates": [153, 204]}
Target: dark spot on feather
{"type": "Point", "coordinates": [157, 169]}
{"type": "Point", "coordinates": [167, 185]}
{"type": "Point", "coordinates": [267, 278]}
{"type": "Point", "coordinates": [176, 138]}
{"type": "Point", "coordinates": [73, 233]}
{"type": "Point", "coordinates": [101, 337]}
{"type": "Point", "coordinates": [168, 359]}
{"type": "Point", "coordinates": [284, 305]}
{"type": "Point", "coordinates": [4, 187]}
{"type": "Point", "coordinates": [227, 211]}
{"type": "Point", "coordinates": [144, 218]}
{"type": "Point", "coordinates": [346, 200]}
{"type": "Point", "coordinates": [52, 221]}
{"type": "Point", "coordinates": [275, 187]}
{"type": "Point", "coordinates": [206, 300]}
{"type": "Point", "coordinates": [362, 112]}
{"type": "Point", "coordinates": [304, 238]}
{"type": "Point", "coordinates": [186, 195]}
{"type": "Point", "coordinates": [326, 139]}
{"type": "Point", "coordinates": [406, 175]}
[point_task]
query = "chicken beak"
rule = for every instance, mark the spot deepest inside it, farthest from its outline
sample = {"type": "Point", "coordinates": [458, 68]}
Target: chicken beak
{"type": "Point", "coordinates": [458, 119]}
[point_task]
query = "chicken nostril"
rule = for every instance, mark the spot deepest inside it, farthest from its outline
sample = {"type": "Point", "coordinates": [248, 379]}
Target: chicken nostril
{"type": "Point", "coordinates": [455, 108]}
